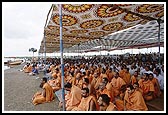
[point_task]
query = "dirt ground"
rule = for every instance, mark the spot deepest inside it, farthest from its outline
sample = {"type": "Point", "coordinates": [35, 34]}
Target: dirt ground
{"type": "Point", "coordinates": [157, 104]}
{"type": "Point", "coordinates": [19, 88]}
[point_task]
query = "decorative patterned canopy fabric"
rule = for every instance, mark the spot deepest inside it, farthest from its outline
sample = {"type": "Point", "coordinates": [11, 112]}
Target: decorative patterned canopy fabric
{"type": "Point", "coordinates": [87, 27]}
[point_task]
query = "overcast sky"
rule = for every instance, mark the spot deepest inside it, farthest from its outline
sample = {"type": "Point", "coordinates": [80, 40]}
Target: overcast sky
{"type": "Point", "coordinates": [23, 26]}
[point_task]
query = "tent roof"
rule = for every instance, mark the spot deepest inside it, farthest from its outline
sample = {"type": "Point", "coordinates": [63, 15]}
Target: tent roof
{"type": "Point", "coordinates": [92, 27]}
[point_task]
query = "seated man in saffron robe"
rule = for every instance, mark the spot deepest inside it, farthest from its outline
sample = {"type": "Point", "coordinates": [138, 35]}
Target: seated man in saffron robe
{"type": "Point", "coordinates": [87, 103]}
{"type": "Point", "coordinates": [46, 95]}
{"type": "Point", "coordinates": [72, 96]}
{"type": "Point", "coordinates": [105, 104]}
{"type": "Point", "coordinates": [147, 87]}
{"type": "Point", "coordinates": [133, 100]}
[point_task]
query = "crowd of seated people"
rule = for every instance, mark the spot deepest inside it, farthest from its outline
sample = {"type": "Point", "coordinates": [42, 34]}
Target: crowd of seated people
{"type": "Point", "coordinates": [104, 83]}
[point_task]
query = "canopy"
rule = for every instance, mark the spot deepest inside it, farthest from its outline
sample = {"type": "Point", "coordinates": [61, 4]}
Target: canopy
{"type": "Point", "coordinates": [92, 27]}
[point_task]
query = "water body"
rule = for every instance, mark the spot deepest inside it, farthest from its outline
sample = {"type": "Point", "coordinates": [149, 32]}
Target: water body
{"type": "Point", "coordinates": [6, 67]}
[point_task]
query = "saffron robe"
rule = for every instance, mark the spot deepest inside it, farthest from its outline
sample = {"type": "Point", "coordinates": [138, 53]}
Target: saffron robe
{"type": "Point", "coordinates": [39, 98]}
{"type": "Point", "coordinates": [135, 101]}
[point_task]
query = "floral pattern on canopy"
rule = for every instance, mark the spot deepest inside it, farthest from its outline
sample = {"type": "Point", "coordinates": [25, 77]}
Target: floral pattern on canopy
{"type": "Point", "coordinates": [90, 25]}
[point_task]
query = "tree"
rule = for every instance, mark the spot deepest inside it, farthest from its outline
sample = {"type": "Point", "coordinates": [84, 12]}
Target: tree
{"type": "Point", "coordinates": [33, 50]}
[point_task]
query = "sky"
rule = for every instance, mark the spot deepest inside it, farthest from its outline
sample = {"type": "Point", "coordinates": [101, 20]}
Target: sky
{"type": "Point", "coordinates": [23, 26]}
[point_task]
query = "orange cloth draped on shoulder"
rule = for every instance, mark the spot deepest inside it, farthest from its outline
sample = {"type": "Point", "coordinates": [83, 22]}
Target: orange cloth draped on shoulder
{"type": "Point", "coordinates": [55, 84]}
{"type": "Point", "coordinates": [140, 82]}
{"type": "Point", "coordinates": [54, 74]}
{"type": "Point", "coordinates": [127, 77]}
{"type": "Point", "coordinates": [99, 80]}
{"type": "Point", "coordinates": [103, 75]}
{"type": "Point", "coordinates": [92, 89]}
{"type": "Point", "coordinates": [110, 75]}
{"type": "Point", "coordinates": [89, 87]}
{"type": "Point", "coordinates": [121, 73]}
{"type": "Point", "coordinates": [120, 104]}
{"type": "Point", "coordinates": [120, 101]}
{"type": "Point", "coordinates": [116, 85]}
{"type": "Point", "coordinates": [111, 107]}
{"type": "Point", "coordinates": [85, 104]}
{"type": "Point", "coordinates": [95, 83]}
{"type": "Point", "coordinates": [78, 81]}
{"type": "Point", "coordinates": [25, 69]}
{"type": "Point", "coordinates": [39, 97]}
{"type": "Point", "coordinates": [90, 78]}
{"type": "Point", "coordinates": [147, 87]}
{"type": "Point", "coordinates": [52, 67]}
{"type": "Point", "coordinates": [70, 79]}
{"type": "Point", "coordinates": [133, 80]}
{"type": "Point", "coordinates": [135, 101]}
{"type": "Point", "coordinates": [94, 80]}
{"type": "Point", "coordinates": [28, 69]}
{"type": "Point", "coordinates": [110, 88]}
{"type": "Point", "coordinates": [157, 91]}
{"type": "Point", "coordinates": [73, 99]}
{"type": "Point", "coordinates": [105, 91]}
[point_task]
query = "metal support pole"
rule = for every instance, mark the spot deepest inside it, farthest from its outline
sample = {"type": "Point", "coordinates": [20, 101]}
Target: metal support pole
{"type": "Point", "coordinates": [62, 64]}
{"type": "Point", "coordinates": [139, 50]}
{"type": "Point", "coordinates": [44, 54]}
{"type": "Point", "coordinates": [33, 56]}
{"type": "Point", "coordinates": [147, 50]}
{"type": "Point", "coordinates": [100, 50]}
{"type": "Point", "coordinates": [38, 57]}
{"type": "Point", "coordinates": [105, 51]}
{"type": "Point", "coordinates": [45, 42]}
{"type": "Point", "coordinates": [159, 41]}
{"type": "Point", "coordinates": [78, 49]}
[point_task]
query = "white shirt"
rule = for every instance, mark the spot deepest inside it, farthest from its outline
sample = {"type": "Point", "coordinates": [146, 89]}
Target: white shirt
{"type": "Point", "coordinates": [160, 80]}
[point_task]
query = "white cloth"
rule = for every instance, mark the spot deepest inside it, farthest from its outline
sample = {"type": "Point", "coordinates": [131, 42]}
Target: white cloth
{"type": "Point", "coordinates": [160, 80]}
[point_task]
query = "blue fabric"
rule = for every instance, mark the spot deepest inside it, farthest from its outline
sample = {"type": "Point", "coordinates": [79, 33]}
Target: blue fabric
{"type": "Point", "coordinates": [35, 71]}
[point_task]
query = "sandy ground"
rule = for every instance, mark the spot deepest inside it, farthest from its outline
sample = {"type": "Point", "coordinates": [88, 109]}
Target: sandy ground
{"type": "Point", "coordinates": [19, 88]}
